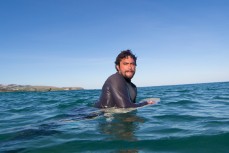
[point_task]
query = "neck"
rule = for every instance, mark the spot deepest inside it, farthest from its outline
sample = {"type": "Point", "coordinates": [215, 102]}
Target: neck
{"type": "Point", "coordinates": [127, 79]}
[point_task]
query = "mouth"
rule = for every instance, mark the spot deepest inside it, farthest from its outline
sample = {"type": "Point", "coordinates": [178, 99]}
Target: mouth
{"type": "Point", "coordinates": [130, 71]}
{"type": "Point", "coordinates": [129, 74]}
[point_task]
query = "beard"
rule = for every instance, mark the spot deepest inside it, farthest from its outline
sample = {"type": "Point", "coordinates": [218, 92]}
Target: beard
{"type": "Point", "coordinates": [128, 74]}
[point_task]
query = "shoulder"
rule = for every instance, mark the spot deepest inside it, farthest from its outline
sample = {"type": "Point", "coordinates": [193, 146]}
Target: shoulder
{"type": "Point", "coordinates": [116, 77]}
{"type": "Point", "coordinates": [115, 81]}
{"type": "Point", "coordinates": [133, 85]}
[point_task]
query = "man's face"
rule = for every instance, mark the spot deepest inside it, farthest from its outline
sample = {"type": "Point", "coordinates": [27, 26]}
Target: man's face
{"type": "Point", "coordinates": [127, 67]}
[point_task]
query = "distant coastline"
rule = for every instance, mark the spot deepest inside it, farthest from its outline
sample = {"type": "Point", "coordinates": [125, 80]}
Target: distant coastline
{"type": "Point", "coordinates": [24, 88]}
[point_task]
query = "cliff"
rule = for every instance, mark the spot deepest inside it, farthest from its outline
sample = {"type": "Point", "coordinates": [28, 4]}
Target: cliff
{"type": "Point", "coordinates": [22, 88]}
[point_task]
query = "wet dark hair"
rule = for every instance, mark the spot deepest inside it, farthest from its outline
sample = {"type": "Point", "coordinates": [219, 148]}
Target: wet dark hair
{"type": "Point", "coordinates": [124, 54]}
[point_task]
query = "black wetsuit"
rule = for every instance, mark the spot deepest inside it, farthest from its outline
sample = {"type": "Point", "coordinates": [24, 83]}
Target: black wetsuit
{"type": "Point", "coordinates": [118, 92]}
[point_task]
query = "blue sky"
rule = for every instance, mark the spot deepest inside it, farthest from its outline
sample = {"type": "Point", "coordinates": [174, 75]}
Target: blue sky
{"type": "Point", "coordinates": [75, 42]}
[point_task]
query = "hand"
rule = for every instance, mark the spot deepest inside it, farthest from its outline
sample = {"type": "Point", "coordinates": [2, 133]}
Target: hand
{"type": "Point", "coordinates": [151, 102]}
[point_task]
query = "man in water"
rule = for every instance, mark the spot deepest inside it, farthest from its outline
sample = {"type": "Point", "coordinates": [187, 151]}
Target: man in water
{"type": "Point", "coordinates": [118, 90]}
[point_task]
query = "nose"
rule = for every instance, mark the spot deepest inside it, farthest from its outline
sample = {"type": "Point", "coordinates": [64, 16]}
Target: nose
{"type": "Point", "coordinates": [131, 67]}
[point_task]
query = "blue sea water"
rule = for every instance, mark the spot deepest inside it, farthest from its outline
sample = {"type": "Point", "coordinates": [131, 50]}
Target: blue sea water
{"type": "Point", "coordinates": [189, 119]}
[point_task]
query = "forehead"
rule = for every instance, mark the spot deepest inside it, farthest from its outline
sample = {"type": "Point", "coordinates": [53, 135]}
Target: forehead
{"type": "Point", "coordinates": [128, 59]}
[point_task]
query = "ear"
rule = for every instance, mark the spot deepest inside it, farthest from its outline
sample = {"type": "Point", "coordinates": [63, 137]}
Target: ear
{"type": "Point", "coordinates": [117, 67]}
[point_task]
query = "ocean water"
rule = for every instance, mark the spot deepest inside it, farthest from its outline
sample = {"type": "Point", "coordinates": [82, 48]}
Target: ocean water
{"type": "Point", "coordinates": [188, 119]}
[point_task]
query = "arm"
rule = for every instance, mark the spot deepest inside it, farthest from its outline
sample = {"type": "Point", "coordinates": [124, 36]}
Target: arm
{"type": "Point", "coordinates": [120, 94]}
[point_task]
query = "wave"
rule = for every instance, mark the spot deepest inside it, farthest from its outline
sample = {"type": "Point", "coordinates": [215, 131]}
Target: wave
{"type": "Point", "coordinates": [201, 143]}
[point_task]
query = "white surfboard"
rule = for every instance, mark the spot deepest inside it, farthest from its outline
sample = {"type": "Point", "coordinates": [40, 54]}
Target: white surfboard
{"type": "Point", "coordinates": [126, 110]}
{"type": "Point", "coordinates": [109, 112]}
